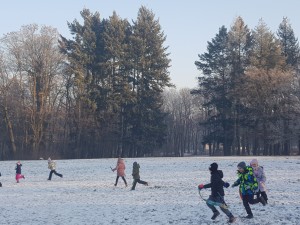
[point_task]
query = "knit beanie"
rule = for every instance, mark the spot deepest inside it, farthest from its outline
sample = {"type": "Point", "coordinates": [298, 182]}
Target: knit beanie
{"type": "Point", "coordinates": [241, 165]}
{"type": "Point", "coordinates": [254, 161]}
{"type": "Point", "coordinates": [213, 167]}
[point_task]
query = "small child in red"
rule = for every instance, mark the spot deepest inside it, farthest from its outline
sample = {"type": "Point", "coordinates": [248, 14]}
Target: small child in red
{"type": "Point", "coordinates": [18, 172]}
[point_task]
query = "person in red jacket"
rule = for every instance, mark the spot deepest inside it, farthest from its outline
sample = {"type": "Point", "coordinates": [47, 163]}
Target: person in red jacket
{"type": "Point", "coordinates": [217, 192]}
{"type": "Point", "coordinates": [120, 168]}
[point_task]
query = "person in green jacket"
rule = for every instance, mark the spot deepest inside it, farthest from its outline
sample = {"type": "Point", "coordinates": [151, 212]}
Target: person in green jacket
{"type": "Point", "coordinates": [136, 176]}
{"type": "Point", "coordinates": [248, 187]}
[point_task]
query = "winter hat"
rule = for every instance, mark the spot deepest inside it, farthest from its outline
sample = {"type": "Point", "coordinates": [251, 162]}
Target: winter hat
{"type": "Point", "coordinates": [213, 167]}
{"type": "Point", "coordinates": [241, 165]}
{"type": "Point", "coordinates": [254, 161]}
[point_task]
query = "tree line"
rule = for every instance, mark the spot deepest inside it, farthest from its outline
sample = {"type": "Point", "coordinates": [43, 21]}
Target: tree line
{"type": "Point", "coordinates": [250, 88]}
{"type": "Point", "coordinates": [106, 92]}
{"type": "Point", "coordinates": [97, 94]}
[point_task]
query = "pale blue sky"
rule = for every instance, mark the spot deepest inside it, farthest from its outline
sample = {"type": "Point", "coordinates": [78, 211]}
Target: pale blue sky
{"type": "Point", "coordinates": [187, 24]}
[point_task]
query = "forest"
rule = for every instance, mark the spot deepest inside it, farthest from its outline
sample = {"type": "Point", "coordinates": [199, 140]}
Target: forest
{"type": "Point", "coordinates": [107, 92]}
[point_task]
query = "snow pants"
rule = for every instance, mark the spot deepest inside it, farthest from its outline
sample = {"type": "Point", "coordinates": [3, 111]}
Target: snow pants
{"type": "Point", "coordinates": [19, 176]}
{"type": "Point", "coordinates": [249, 199]}
{"type": "Point", "coordinates": [218, 199]}
{"type": "Point", "coordinates": [57, 174]}
{"type": "Point", "coordinates": [138, 181]}
{"type": "Point", "coordinates": [263, 194]}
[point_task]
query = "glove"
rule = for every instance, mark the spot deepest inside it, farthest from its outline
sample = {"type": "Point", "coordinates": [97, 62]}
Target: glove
{"type": "Point", "coordinates": [226, 184]}
{"type": "Point", "coordinates": [233, 185]}
{"type": "Point", "coordinates": [200, 186]}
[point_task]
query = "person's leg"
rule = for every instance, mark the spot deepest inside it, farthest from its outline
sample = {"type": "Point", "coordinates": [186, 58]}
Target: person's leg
{"type": "Point", "coordinates": [116, 183]}
{"type": "Point", "coordinates": [257, 194]}
{"type": "Point", "coordinates": [124, 181]}
{"type": "Point", "coordinates": [246, 205]}
{"type": "Point", "coordinates": [50, 175]}
{"type": "Point", "coordinates": [252, 201]}
{"type": "Point", "coordinates": [57, 174]}
{"type": "Point", "coordinates": [264, 195]}
{"type": "Point", "coordinates": [142, 182]}
{"type": "Point", "coordinates": [134, 184]}
{"type": "Point", "coordinates": [209, 202]}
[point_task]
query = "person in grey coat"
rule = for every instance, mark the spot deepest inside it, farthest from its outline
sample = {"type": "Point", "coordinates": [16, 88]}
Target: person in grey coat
{"type": "Point", "coordinates": [259, 173]}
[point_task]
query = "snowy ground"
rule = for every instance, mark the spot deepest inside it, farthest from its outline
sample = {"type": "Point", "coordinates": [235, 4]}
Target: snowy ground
{"type": "Point", "coordinates": [86, 194]}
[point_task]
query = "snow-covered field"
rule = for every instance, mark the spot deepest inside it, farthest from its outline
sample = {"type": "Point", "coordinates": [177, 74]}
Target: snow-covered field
{"type": "Point", "coordinates": [86, 194]}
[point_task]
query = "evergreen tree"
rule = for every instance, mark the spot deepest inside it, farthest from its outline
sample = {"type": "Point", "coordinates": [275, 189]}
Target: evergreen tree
{"type": "Point", "coordinates": [289, 43]}
{"type": "Point", "coordinates": [290, 49]}
{"type": "Point", "coordinates": [150, 75]}
{"type": "Point", "coordinates": [86, 56]}
{"type": "Point", "coordinates": [240, 42]}
{"type": "Point", "coordinates": [116, 40]}
{"type": "Point", "coordinates": [215, 85]}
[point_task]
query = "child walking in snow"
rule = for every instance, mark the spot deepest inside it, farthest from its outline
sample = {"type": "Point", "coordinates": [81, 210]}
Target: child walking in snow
{"type": "Point", "coordinates": [248, 186]}
{"type": "Point", "coordinates": [217, 192]}
{"type": "Point", "coordinates": [136, 176]}
{"type": "Point", "coordinates": [18, 172]}
{"type": "Point", "coordinates": [261, 179]}
{"type": "Point", "coordinates": [120, 167]}
{"type": "Point", "coordinates": [52, 167]}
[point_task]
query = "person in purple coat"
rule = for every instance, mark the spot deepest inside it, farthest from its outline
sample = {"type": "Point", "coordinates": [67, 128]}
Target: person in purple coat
{"type": "Point", "coordinates": [259, 173]}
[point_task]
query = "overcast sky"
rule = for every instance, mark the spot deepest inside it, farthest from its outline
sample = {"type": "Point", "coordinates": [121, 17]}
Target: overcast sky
{"type": "Point", "coordinates": [187, 24]}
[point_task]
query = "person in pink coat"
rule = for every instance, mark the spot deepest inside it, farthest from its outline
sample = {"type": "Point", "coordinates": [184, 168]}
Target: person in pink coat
{"type": "Point", "coordinates": [259, 173]}
{"type": "Point", "coordinates": [120, 168]}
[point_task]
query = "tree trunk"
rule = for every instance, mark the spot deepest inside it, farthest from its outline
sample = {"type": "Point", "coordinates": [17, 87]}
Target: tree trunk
{"type": "Point", "coordinates": [12, 143]}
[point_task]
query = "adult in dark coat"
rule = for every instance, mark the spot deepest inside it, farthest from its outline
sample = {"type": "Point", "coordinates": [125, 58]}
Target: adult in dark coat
{"type": "Point", "coordinates": [217, 193]}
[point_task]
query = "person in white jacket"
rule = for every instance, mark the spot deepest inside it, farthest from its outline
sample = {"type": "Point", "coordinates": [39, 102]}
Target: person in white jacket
{"type": "Point", "coordinates": [52, 167]}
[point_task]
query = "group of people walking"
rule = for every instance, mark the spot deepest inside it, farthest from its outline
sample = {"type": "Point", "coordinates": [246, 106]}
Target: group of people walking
{"type": "Point", "coordinates": [120, 168]}
{"type": "Point", "coordinates": [251, 181]}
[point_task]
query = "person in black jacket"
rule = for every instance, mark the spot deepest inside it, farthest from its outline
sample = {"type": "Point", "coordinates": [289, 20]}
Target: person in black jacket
{"type": "Point", "coordinates": [18, 172]}
{"type": "Point", "coordinates": [217, 193]}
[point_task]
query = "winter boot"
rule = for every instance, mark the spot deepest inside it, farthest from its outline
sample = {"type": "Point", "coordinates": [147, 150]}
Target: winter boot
{"type": "Point", "coordinates": [249, 216]}
{"type": "Point", "coordinates": [215, 215]}
{"type": "Point", "coordinates": [232, 219]}
{"type": "Point", "coordinates": [262, 200]}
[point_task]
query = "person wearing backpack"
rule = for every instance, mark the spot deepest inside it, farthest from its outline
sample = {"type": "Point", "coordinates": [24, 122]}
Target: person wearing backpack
{"type": "Point", "coordinates": [248, 186]}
